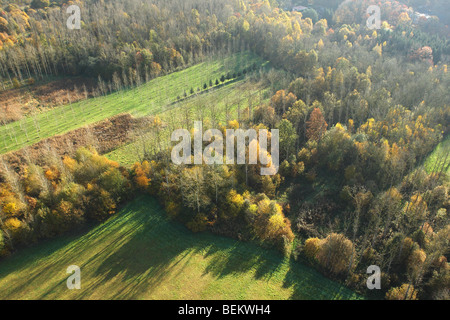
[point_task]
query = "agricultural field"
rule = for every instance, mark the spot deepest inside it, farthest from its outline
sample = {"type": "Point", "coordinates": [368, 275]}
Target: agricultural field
{"type": "Point", "coordinates": [140, 254]}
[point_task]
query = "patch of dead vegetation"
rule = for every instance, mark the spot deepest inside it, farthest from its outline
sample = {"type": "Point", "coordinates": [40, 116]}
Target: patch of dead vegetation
{"type": "Point", "coordinates": [104, 136]}
{"type": "Point", "coordinates": [17, 103]}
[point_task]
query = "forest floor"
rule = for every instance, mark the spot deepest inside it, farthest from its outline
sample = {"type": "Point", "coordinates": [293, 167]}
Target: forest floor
{"type": "Point", "coordinates": [140, 254]}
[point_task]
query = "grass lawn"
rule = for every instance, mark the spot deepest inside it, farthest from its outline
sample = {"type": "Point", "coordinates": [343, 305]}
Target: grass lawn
{"type": "Point", "coordinates": [150, 98]}
{"type": "Point", "coordinates": [140, 254]}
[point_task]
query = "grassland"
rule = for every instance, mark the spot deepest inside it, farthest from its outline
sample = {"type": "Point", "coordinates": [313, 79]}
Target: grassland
{"type": "Point", "coordinates": [222, 104]}
{"type": "Point", "coordinates": [140, 254]}
{"type": "Point", "coordinates": [150, 98]}
{"type": "Point", "coordinates": [439, 158]}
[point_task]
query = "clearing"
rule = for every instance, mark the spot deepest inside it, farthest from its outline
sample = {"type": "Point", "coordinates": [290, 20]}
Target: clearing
{"type": "Point", "coordinates": [439, 159]}
{"type": "Point", "coordinates": [152, 97]}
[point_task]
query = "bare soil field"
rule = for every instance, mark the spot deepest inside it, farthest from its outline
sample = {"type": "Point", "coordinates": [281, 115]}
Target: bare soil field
{"type": "Point", "coordinates": [105, 136]}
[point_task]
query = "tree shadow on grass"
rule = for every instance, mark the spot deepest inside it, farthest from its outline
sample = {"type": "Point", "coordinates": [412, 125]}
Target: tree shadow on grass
{"type": "Point", "coordinates": [36, 261]}
{"type": "Point", "coordinates": [160, 249]}
{"type": "Point", "coordinates": [134, 252]}
{"type": "Point", "coordinates": [157, 252]}
{"type": "Point", "coordinates": [231, 257]}
{"type": "Point", "coordinates": [309, 284]}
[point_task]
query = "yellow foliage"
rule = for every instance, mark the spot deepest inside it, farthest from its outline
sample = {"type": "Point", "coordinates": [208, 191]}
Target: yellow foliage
{"type": "Point", "coordinates": [311, 247]}
{"type": "Point", "coordinates": [70, 163]}
{"type": "Point", "coordinates": [405, 292]}
{"type": "Point", "coordinates": [142, 181]}
{"type": "Point", "coordinates": [52, 174]}
{"type": "Point", "coordinates": [233, 124]}
{"type": "Point", "coordinates": [13, 224]}
{"type": "Point", "coordinates": [10, 208]}
{"type": "Point", "coordinates": [264, 207]}
{"type": "Point", "coordinates": [320, 44]}
{"type": "Point", "coordinates": [172, 209]}
{"type": "Point", "coordinates": [378, 49]}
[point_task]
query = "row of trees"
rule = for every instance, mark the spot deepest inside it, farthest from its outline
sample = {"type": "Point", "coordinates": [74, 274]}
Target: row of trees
{"type": "Point", "coordinates": [47, 201]}
{"type": "Point", "coordinates": [36, 42]}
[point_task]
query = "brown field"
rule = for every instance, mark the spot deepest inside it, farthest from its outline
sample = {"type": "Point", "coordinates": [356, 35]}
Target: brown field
{"type": "Point", "coordinates": [16, 103]}
{"type": "Point", "coordinates": [105, 136]}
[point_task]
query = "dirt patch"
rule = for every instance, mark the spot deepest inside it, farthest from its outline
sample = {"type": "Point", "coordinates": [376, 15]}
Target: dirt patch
{"type": "Point", "coordinates": [105, 136]}
{"type": "Point", "coordinates": [17, 103]}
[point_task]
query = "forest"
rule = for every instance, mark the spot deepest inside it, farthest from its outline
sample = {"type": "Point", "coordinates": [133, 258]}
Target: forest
{"type": "Point", "coordinates": [360, 113]}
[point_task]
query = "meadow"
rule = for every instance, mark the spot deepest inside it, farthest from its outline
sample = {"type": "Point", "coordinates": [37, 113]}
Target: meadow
{"type": "Point", "coordinates": [439, 158]}
{"type": "Point", "coordinates": [140, 254]}
{"type": "Point", "coordinates": [222, 104]}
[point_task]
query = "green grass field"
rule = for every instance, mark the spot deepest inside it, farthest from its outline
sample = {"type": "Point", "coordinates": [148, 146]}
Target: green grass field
{"type": "Point", "coordinates": [437, 159]}
{"type": "Point", "coordinates": [150, 98]}
{"type": "Point", "coordinates": [215, 103]}
{"type": "Point", "coordinates": [140, 254]}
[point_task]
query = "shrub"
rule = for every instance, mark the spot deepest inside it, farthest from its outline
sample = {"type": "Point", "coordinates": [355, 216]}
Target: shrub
{"type": "Point", "coordinates": [335, 253]}
{"type": "Point", "coordinates": [100, 204]}
{"type": "Point", "coordinates": [16, 83]}
{"type": "Point", "coordinates": [311, 248]}
{"type": "Point", "coordinates": [173, 209]}
{"type": "Point", "coordinates": [198, 224]}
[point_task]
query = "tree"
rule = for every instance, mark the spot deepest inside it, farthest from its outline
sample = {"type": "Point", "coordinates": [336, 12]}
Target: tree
{"type": "Point", "coordinates": [270, 223]}
{"type": "Point", "coordinates": [282, 102]}
{"type": "Point", "coordinates": [335, 253]}
{"type": "Point", "coordinates": [101, 205]}
{"type": "Point", "coordinates": [2, 244]}
{"type": "Point", "coordinates": [288, 137]}
{"type": "Point", "coordinates": [311, 248]}
{"type": "Point", "coordinates": [316, 126]}
{"type": "Point", "coordinates": [193, 186]}
{"type": "Point", "coordinates": [40, 4]}
{"type": "Point", "coordinates": [310, 13]}
{"type": "Point", "coordinates": [404, 292]}
{"type": "Point", "coordinates": [3, 25]}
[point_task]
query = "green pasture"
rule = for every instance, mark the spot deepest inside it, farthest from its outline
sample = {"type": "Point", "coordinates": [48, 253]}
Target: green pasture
{"type": "Point", "coordinates": [140, 254]}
